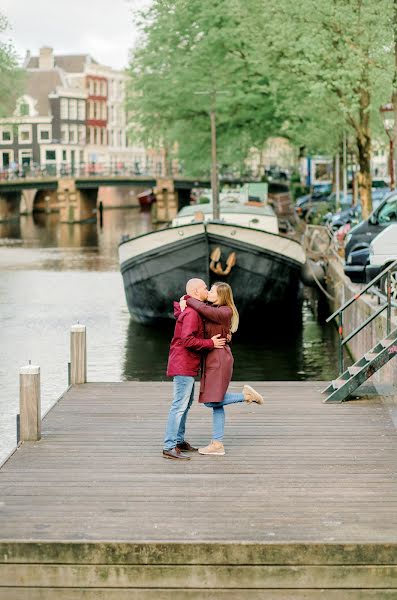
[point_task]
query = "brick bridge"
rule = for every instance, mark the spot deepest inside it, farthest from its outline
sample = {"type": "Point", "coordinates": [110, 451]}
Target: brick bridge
{"type": "Point", "coordinates": [75, 197]}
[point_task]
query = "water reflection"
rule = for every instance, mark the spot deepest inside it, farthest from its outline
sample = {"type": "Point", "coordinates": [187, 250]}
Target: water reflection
{"type": "Point", "coordinates": [303, 351]}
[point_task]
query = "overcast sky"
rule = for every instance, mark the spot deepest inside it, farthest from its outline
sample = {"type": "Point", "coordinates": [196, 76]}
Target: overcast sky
{"type": "Point", "coordinates": [103, 28]}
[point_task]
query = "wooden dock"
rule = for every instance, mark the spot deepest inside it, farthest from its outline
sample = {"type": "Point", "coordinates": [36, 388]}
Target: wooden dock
{"type": "Point", "coordinates": [303, 505]}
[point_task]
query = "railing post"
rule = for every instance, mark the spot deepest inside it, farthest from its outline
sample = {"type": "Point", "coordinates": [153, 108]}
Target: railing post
{"type": "Point", "coordinates": [29, 403]}
{"type": "Point", "coordinates": [388, 324]}
{"type": "Point", "coordinates": [340, 331]}
{"type": "Point", "coordinates": [78, 354]}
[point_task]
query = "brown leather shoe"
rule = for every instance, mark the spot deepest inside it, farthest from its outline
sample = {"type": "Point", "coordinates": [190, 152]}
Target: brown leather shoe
{"type": "Point", "coordinates": [186, 447]}
{"type": "Point", "coordinates": [175, 453]}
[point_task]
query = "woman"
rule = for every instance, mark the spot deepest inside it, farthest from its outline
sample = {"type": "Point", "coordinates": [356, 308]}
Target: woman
{"type": "Point", "coordinates": [220, 318]}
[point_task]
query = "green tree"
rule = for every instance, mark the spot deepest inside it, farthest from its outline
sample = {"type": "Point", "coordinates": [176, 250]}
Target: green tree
{"type": "Point", "coordinates": [332, 64]}
{"type": "Point", "coordinates": [192, 52]}
{"type": "Point", "coordinates": [10, 74]}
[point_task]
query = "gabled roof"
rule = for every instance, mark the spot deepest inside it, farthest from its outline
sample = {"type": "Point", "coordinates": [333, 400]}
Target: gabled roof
{"type": "Point", "coordinates": [41, 83]}
{"type": "Point", "coordinates": [71, 63]}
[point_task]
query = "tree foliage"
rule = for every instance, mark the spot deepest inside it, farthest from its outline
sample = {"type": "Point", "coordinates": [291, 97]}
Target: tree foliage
{"type": "Point", "coordinates": [191, 54]}
{"type": "Point", "coordinates": [10, 74]}
{"type": "Point", "coordinates": [308, 70]}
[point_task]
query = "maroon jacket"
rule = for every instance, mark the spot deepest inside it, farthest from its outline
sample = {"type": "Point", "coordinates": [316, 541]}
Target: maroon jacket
{"type": "Point", "coordinates": [187, 343]}
{"type": "Point", "coordinates": [217, 367]}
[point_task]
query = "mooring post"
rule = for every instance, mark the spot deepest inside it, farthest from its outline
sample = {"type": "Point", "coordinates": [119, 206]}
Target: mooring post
{"type": "Point", "coordinates": [29, 403]}
{"type": "Point", "coordinates": [78, 354]}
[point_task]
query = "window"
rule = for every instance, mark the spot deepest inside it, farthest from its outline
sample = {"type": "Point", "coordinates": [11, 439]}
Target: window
{"type": "Point", "coordinates": [104, 111]}
{"type": "Point", "coordinates": [81, 110]}
{"type": "Point", "coordinates": [64, 155]}
{"type": "Point", "coordinates": [388, 213]}
{"type": "Point", "coordinates": [81, 134]}
{"type": "Point", "coordinates": [50, 155]}
{"type": "Point", "coordinates": [72, 109]}
{"type": "Point", "coordinates": [103, 88]}
{"type": "Point", "coordinates": [103, 136]}
{"type": "Point", "coordinates": [95, 88]}
{"type": "Point", "coordinates": [25, 157]}
{"type": "Point", "coordinates": [64, 108]}
{"type": "Point", "coordinates": [24, 109]}
{"type": "Point", "coordinates": [73, 134]}
{"type": "Point", "coordinates": [44, 133]}
{"type": "Point", "coordinates": [25, 134]}
{"type": "Point", "coordinates": [6, 135]}
{"type": "Point", "coordinates": [64, 134]}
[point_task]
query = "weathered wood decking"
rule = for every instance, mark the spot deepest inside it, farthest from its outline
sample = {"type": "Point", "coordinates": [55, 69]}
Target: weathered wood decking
{"type": "Point", "coordinates": [303, 484]}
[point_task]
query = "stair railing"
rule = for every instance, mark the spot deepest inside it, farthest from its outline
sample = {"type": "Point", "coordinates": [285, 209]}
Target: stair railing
{"type": "Point", "coordinates": [388, 305]}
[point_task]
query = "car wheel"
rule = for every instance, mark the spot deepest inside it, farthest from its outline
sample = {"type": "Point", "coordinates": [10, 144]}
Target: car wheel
{"type": "Point", "coordinates": [393, 284]}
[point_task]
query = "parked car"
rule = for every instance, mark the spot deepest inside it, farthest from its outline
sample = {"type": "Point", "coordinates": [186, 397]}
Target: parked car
{"type": "Point", "coordinates": [352, 214]}
{"type": "Point", "coordinates": [355, 265]}
{"type": "Point", "coordinates": [382, 216]}
{"type": "Point", "coordinates": [365, 264]}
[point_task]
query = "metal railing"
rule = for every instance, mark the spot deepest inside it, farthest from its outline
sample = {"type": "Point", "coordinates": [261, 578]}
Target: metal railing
{"type": "Point", "coordinates": [37, 171]}
{"type": "Point", "coordinates": [387, 306]}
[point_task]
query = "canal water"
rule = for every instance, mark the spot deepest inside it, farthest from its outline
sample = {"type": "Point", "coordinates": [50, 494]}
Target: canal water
{"type": "Point", "coordinates": [53, 275]}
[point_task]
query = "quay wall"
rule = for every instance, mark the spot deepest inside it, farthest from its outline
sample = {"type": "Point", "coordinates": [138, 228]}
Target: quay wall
{"type": "Point", "coordinates": [341, 289]}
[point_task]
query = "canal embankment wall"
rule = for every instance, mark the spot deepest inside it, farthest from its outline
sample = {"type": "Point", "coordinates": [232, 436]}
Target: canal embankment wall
{"type": "Point", "coordinates": [341, 289]}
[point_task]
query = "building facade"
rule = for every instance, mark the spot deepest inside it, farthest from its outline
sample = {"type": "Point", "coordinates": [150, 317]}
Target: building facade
{"type": "Point", "coordinates": [72, 115]}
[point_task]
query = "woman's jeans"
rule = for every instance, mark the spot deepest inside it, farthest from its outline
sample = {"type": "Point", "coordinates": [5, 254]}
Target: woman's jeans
{"type": "Point", "coordinates": [183, 398]}
{"type": "Point", "coordinates": [218, 414]}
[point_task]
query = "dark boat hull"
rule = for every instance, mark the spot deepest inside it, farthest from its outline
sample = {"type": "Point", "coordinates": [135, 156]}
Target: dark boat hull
{"type": "Point", "coordinates": [263, 279]}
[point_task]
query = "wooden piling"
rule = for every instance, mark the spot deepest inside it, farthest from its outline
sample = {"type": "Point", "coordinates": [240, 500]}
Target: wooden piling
{"type": "Point", "coordinates": [78, 354]}
{"type": "Point", "coordinates": [30, 403]}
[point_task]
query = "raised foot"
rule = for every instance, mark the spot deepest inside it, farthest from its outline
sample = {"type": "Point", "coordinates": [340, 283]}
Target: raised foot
{"type": "Point", "coordinates": [251, 395]}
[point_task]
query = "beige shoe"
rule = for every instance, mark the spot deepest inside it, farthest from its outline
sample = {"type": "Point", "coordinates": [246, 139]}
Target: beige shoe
{"type": "Point", "coordinates": [215, 448]}
{"type": "Point", "coordinates": [251, 395]}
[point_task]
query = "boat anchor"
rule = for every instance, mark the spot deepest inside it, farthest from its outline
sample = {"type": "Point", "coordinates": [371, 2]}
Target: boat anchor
{"type": "Point", "coordinates": [216, 265]}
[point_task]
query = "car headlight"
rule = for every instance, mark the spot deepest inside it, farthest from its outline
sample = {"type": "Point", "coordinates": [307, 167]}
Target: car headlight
{"type": "Point", "coordinates": [348, 238]}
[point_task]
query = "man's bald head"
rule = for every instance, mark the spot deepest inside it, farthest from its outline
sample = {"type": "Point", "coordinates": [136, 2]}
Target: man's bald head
{"type": "Point", "coordinates": [197, 289]}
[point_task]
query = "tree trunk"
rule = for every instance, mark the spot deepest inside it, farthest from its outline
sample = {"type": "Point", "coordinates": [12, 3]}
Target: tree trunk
{"type": "Point", "coordinates": [364, 175]}
{"type": "Point", "coordinates": [364, 149]}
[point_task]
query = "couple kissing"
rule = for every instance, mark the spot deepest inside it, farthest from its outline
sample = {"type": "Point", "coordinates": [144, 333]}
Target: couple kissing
{"type": "Point", "coordinates": [205, 322]}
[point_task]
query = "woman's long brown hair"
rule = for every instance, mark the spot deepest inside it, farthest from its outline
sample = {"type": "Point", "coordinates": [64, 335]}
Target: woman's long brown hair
{"type": "Point", "coordinates": [225, 298]}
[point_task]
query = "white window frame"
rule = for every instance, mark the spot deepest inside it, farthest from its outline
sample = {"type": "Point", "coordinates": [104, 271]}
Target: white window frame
{"type": "Point", "coordinates": [12, 159]}
{"type": "Point", "coordinates": [28, 153]}
{"type": "Point", "coordinates": [41, 128]}
{"type": "Point", "coordinates": [81, 110]}
{"type": "Point", "coordinates": [10, 130]}
{"type": "Point", "coordinates": [21, 129]}
{"type": "Point", "coordinates": [73, 109]}
{"type": "Point", "coordinates": [81, 134]}
{"type": "Point", "coordinates": [64, 133]}
{"type": "Point", "coordinates": [73, 134]}
{"type": "Point", "coordinates": [64, 108]}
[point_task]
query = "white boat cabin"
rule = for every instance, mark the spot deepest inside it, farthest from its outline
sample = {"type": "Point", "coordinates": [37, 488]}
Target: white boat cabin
{"type": "Point", "coordinates": [232, 211]}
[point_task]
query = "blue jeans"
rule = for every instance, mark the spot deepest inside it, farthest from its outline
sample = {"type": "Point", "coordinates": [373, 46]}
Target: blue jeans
{"type": "Point", "coordinates": [183, 398]}
{"type": "Point", "coordinates": [218, 414]}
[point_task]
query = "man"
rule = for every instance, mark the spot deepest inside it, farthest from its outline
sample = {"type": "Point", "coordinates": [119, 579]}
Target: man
{"type": "Point", "coordinates": [183, 365]}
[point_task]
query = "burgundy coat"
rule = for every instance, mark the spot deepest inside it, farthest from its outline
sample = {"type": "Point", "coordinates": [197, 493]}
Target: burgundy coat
{"type": "Point", "coordinates": [217, 366]}
{"type": "Point", "coordinates": [188, 341]}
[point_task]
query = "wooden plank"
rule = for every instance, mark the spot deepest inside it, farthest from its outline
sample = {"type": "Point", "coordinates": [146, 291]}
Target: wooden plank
{"type": "Point", "coordinates": [295, 469]}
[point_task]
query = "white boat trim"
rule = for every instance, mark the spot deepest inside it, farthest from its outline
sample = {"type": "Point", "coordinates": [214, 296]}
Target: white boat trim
{"type": "Point", "coordinates": [264, 240]}
{"type": "Point", "coordinates": [157, 239]}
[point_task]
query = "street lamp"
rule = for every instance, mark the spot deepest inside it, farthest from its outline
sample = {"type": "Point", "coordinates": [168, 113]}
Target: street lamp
{"type": "Point", "coordinates": [388, 118]}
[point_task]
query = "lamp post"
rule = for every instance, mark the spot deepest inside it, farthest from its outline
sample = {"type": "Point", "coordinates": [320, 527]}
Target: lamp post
{"type": "Point", "coordinates": [388, 117]}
